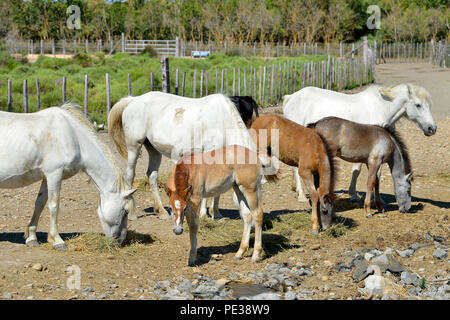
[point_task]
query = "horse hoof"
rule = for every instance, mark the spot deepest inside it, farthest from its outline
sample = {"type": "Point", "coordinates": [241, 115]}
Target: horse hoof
{"type": "Point", "coordinates": [369, 215]}
{"type": "Point", "coordinates": [236, 257]}
{"type": "Point", "coordinates": [60, 247]}
{"type": "Point", "coordinates": [256, 260]}
{"type": "Point", "coordinates": [315, 232]}
{"type": "Point", "coordinates": [33, 243]}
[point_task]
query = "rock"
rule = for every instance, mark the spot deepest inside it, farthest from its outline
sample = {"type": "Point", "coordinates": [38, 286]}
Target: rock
{"type": "Point", "coordinates": [315, 247]}
{"type": "Point", "coordinates": [324, 278]}
{"type": "Point", "coordinates": [410, 278]}
{"type": "Point", "coordinates": [185, 285]}
{"type": "Point", "coordinates": [289, 283]}
{"type": "Point", "coordinates": [360, 272]}
{"type": "Point", "coordinates": [7, 295]}
{"type": "Point", "coordinates": [87, 289]}
{"type": "Point", "coordinates": [266, 296]}
{"type": "Point", "coordinates": [417, 245]}
{"type": "Point", "coordinates": [383, 258]}
{"type": "Point", "coordinates": [440, 253]}
{"type": "Point", "coordinates": [290, 295]}
{"type": "Point", "coordinates": [328, 263]}
{"type": "Point", "coordinates": [405, 253]}
{"type": "Point", "coordinates": [368, 256]}
{"type": "Point", "coordinates": [220, 284]}
{"type": "Point", "coordinates": [37, 267]}
{"type": "Point", "coordinates": [303, 272]}
{"type": "Point", "coordinates": [273, 267]}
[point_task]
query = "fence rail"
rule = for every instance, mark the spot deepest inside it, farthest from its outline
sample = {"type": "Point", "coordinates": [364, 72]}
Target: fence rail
{"type": "Point", "coordinates": [267, 84]}
{"type": "Point", "coordinates": [384, 52]}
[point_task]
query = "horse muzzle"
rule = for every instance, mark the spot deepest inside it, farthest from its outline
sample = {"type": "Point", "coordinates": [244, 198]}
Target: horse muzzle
{"type": "Point", "coordinates": [431, 130]}
{"type": "Point", "coordinates": [178, 230]}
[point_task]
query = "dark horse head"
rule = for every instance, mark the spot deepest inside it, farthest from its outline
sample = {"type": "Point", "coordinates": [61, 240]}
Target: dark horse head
{"type": "Point", "coordinates": [245, 105]}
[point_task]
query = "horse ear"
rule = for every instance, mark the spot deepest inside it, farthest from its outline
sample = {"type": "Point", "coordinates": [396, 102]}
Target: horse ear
{"type": "Point", "coordinates": [188, 191]}
{"type": "Point", "coordinates": [129, 193]}
{"type": "Point", "coordinates": [410, 176]}
{"type": "Point", "coordinates": [410, 89]}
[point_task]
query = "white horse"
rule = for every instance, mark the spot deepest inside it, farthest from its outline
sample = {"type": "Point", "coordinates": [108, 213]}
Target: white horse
{"type": "Point", "coordinates": [171, 125]}
{"type": "Point", "coordinates": [376, 105]}
{"type": "Point", "coordinates": [52, 145]}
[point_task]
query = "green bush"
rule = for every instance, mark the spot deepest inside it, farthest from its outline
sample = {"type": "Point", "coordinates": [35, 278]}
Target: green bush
{"type": "Point", "coordinates": [83, 59]}
{"type": "Point", "coordinates": [150, 52]}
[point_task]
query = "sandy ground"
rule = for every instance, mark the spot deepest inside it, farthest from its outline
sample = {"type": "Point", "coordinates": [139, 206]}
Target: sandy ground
{"type": "Point", "coordinates": [166, 257]}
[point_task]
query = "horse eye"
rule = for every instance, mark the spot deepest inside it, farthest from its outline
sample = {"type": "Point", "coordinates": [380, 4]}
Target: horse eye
{"type": "Point", "coordinates": [418, 105]}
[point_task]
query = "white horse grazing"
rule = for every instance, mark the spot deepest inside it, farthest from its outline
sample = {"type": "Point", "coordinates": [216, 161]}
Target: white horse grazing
{"type": "Point", "coordinates": [171, 125]}
{"type": "Point", "coordinates": [52, 145]}
{"type": "Point", "coordinates": [376, 105]}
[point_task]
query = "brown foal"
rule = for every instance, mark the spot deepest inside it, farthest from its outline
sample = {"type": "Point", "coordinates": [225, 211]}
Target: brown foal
{"type": "Point", "coordinates": [209, 174]}
{"type": "Point", "coordinates": [372, 145]}
{"type": "Point", "coordinates": [303, 148]}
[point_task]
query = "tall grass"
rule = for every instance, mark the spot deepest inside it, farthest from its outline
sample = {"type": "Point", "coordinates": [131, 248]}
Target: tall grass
{"type": "Point", "coordinates": [50, 72]}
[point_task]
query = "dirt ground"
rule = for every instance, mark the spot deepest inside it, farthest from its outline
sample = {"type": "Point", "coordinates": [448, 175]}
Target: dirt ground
{"type": "Point", "coordinates": [166, 256]}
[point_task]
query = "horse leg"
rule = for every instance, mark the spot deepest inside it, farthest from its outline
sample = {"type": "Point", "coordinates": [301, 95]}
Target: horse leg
{"type": "Point", "coordinates": [154, 161]}
{"type": "Point", "coordinates": [253, 200]}
{"type": "Point", "coordinates": [356, 170]}
{"type": "Point", "coordinates": [373, 168]}
{"type": "Point", "coordinates": [308, 179]}
{"type": "Point", "coordinates": [203, 207]}
{"type": "Point", "coordinates": [378, 201]}
{"type": "Point", "coordinates": [54, 188]}
{"type": "Point", "coordinates": [192, 218]}
{"type": "Point", "coordinates": [301, 194]}
{"type": "Point", "coordinates": [133, 153]}
{"type": "Point", "coordinates": [41, 200]}
{"type": "Point", "coordinates": [214, 208]}
{"type": "Point", "coordinates": [247, 220]}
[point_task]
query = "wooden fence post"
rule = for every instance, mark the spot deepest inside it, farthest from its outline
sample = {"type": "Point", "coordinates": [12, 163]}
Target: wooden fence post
{"type": "Point", "coordinates": [165, 74]}
{"type": "Point", "coordinates": [108, 95]}
{"type": "Point", "coordinates": [9, 95]}
{"type": "Point", "coordinates": [206, 82]}
{"type": "Point", "coordinates": [201, 83]}
{"type": "Point", "coordinates": [152, 81]}
{"type": "Point", "coordinates": [38, 95]}
{"type": "Point", "coordinates": [176, 81]}
{"type": "Point", "coordinates": [129, 85]}
{"type": "Point", "coordinates": [183, 83]}
{"type": "Point", "coordinates": [64, 90]}
{"type": "Point", "coordinates": [86, 83]}
{"type": "Point", "coordinates": [25, 96]}
{"type": "Point", "coordinates": [245, 81]}
{"type": "Point", "coordinates": [194, 85]}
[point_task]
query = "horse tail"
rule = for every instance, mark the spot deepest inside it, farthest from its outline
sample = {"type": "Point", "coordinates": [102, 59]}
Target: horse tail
{"type": "Point", "coordinates": [255, 107]}
{"type": "Point", "coordinates": [267, 163]}
{"type": "Point", "coordinates": [311, 125]}
{"type": "Point", "coordinates": [327, 164]}
{"type": "Point", "coordinates": [115, 126]}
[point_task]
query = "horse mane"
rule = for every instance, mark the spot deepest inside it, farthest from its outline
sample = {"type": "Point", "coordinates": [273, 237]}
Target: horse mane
{"type": "Point", "coordinates": [398, 140]}
{"type": "Point", "coordinates": [333, 167]}
{"type": "Point", "coordinates": [74, 112]}
{"type": "Point", "coordinates": [182, 174]}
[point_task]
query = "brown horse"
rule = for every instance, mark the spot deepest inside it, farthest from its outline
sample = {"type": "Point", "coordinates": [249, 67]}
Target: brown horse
{"type": "Point", "coordinates": [372, 145]}
{"type": "Point", "coordinates": [304, 148]}
{"type": "Point", "coordinates": [209, 174]}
